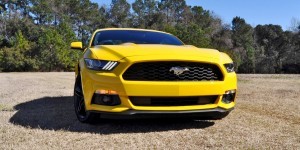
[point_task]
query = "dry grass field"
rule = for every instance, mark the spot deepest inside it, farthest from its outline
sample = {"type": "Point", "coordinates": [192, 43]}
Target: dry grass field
{"type": "Point", "coordinates": [36, 112]}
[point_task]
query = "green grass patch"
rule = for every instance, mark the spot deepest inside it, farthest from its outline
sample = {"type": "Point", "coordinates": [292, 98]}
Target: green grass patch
{"type": "Point", "coordinates": [6, 108]}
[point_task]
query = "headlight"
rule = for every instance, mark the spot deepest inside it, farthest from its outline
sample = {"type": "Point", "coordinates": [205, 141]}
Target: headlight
{"type": "Point", "coordinates": [100, 65]}
{"type": "Point", "coordinates": [229, 67]}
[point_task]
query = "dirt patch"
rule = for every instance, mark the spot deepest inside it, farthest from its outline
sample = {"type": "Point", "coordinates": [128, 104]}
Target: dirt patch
{"type": "Point", "coordinates": [36, 112]}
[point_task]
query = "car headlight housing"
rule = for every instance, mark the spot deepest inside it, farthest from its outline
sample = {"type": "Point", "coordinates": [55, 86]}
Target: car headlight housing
{"type": "Point", "coordinates": [229, 67]}
{"type": "Point", "coordinates": [100, 65]}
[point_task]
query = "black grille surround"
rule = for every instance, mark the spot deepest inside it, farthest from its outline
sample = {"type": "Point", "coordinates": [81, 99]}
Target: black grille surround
{"type": "Point", "coordinates": [161, 71]}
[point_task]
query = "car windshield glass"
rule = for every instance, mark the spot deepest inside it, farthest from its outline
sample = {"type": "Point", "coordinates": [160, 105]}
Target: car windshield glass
{"type": "Point", "coordinates": [116, 37]}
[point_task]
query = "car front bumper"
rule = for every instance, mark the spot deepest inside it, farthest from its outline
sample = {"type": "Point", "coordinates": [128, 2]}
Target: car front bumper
{"type": "Point", "coordinates": [95, 80]}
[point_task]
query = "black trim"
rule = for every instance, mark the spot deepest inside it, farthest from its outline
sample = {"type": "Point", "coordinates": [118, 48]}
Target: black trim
{"type": "Point", "coordinates": [207, 114]}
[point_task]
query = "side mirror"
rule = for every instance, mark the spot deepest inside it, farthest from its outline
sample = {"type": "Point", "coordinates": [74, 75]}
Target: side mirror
{"type": "Point", "coordinates": [76, 45]}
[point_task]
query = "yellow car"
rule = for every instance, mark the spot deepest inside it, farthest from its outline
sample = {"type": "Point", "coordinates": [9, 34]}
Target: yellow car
{"type": "Point", "coordinates": [138, 73]}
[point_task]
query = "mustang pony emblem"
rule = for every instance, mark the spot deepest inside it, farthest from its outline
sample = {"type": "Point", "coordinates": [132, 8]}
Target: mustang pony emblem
{"type": "Point", "coordinates": [179, 70]}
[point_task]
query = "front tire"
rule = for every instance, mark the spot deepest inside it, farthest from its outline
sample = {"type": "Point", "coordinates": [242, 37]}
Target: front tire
{"type": "Point", "coordinates": [79, 104]}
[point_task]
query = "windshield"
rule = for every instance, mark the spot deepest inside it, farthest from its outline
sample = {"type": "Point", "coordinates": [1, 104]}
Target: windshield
{"type": "Point", "coordinates": [116, 37]}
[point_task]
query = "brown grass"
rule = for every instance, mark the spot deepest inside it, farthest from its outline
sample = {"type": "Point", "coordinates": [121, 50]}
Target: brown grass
{"type": "Point", "coordinates": [267, 116]}
{"type": "Point", "coordinates": [6, 108]}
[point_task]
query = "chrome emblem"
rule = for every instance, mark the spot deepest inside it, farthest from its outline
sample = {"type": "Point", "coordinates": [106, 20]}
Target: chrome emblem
{"type": "Point", "coordinates": [179, 70]}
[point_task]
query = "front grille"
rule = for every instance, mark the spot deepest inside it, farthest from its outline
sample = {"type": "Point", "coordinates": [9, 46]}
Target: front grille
{"type": "Point", "coordinates": [172, 101]}
{"type": "Point", "coordinates": [162, 71]}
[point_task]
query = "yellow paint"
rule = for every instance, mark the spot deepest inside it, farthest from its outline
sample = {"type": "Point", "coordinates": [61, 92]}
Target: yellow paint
{"type": "Point", "coordinates": [76, 45]}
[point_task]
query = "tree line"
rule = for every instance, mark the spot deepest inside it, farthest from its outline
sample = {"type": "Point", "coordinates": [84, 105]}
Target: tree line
{"type": "Point", "coordinates": [35, 34]}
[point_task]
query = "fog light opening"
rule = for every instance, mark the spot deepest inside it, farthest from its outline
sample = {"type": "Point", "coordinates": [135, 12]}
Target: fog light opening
{"type": "Point", "coordinates": [106, 97]}
{"type": "Point", "coordinates": [229, 96]}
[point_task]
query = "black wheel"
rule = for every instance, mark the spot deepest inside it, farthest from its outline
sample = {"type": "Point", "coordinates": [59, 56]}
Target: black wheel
{"type": "Point", "coordinates": [81, 113]}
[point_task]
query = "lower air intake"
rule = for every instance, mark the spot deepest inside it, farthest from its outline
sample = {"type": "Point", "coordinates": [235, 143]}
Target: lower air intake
{"type": "Point", "coordinates": [172, 101]}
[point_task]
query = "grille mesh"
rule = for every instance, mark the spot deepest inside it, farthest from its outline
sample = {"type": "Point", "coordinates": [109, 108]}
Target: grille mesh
{"type": "Point", "coordinates": [172, 101]}
{"type": "Point", "coordinates": [160, 71]}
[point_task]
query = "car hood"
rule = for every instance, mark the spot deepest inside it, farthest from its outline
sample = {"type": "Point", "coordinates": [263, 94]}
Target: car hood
{"type": "Point", "coordinates": [117, 52]}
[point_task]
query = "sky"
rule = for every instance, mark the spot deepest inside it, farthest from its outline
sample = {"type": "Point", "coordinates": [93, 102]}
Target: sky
{"type": "Point", "coordinates": [280, 12]}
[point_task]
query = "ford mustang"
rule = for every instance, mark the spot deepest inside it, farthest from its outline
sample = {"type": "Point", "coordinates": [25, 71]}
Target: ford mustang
{"type": "Point", "coordinates": [138, 73]}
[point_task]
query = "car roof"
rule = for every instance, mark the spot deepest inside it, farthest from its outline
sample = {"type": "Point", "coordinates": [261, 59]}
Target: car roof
{"type": "Point", "coordinates": [133, 29]}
